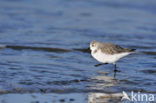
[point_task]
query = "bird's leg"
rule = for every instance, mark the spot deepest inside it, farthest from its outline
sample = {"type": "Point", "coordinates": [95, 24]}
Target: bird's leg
{"type": "Point", "coordinates": [100, 64]}
{"type": "Point", "coordinates": [115, 70]}
{"type": "Point", "coordinates": [114, 74]}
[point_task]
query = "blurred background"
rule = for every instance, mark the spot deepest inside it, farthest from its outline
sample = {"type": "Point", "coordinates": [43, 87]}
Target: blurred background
{"type": "Point", "coordinates": [44, 56]}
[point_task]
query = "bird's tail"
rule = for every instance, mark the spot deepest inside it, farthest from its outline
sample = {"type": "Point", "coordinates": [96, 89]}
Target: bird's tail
{"type": "Point", "coordinates": [129, 50]}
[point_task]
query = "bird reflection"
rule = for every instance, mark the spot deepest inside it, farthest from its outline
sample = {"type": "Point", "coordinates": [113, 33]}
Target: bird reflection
{"type": "Point", "coordinates": [103, 80]}
{"type": "Point", "coordinates": [100, 83]}
{"type": "Point", "coordinates": [104, 97]}
{"type": "Point", "coordinates": [115, 71]}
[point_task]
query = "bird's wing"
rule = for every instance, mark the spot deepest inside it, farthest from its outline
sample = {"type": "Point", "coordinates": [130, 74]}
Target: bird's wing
{"type": "Point", "coordinates": [109, 48]}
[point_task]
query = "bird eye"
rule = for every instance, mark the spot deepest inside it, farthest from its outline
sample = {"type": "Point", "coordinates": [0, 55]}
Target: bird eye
{"type": "Point", "coordinates": [93, 45]}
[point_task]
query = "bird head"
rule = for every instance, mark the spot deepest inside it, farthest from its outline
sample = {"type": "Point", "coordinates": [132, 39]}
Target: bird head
{"type": "Point", "coordinates": [93, 45]}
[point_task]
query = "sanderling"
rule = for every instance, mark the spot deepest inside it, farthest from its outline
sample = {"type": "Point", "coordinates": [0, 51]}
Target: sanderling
{"type": "Point", "coordinates": [108, 52]}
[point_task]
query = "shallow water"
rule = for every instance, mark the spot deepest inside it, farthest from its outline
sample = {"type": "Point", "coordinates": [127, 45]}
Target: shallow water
{"type": "Point", "coordinates": [47, 46]}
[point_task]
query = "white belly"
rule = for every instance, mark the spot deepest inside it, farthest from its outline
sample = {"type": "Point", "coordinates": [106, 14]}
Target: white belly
{"type": "Point", "coordinates": [106, 58]}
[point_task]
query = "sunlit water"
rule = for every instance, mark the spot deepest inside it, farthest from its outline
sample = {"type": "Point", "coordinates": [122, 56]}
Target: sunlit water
{"type": "Point", "coordinates": [47, 46]}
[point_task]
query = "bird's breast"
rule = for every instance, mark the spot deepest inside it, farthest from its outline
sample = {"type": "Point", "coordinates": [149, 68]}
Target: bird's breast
{"type": "Point", "coordinates": [99, 56]}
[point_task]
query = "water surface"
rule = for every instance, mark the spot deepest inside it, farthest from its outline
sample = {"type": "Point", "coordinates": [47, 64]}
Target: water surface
{"type": "Point", "coordinates": [47, 46]}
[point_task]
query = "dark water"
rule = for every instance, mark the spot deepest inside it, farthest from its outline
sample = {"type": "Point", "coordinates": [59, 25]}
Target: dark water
{"type": "Point", "coordinates": [47, 45]}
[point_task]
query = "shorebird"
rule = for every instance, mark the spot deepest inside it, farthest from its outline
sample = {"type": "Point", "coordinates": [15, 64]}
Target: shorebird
{"type": "Point", "coordinates": [108, 53]}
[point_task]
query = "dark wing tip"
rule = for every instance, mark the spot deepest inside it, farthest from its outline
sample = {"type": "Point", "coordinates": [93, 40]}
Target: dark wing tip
{"type": "Point", "coordinates": [133, 49]}
{"type": "Point", "coordinates": [129, 50]}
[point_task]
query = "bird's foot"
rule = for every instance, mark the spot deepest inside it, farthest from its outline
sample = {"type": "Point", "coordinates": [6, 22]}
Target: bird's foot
{"type": "Point", "coordinates": [100, 64]}
{"type": "Point", "coordinates": [115, 70]}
